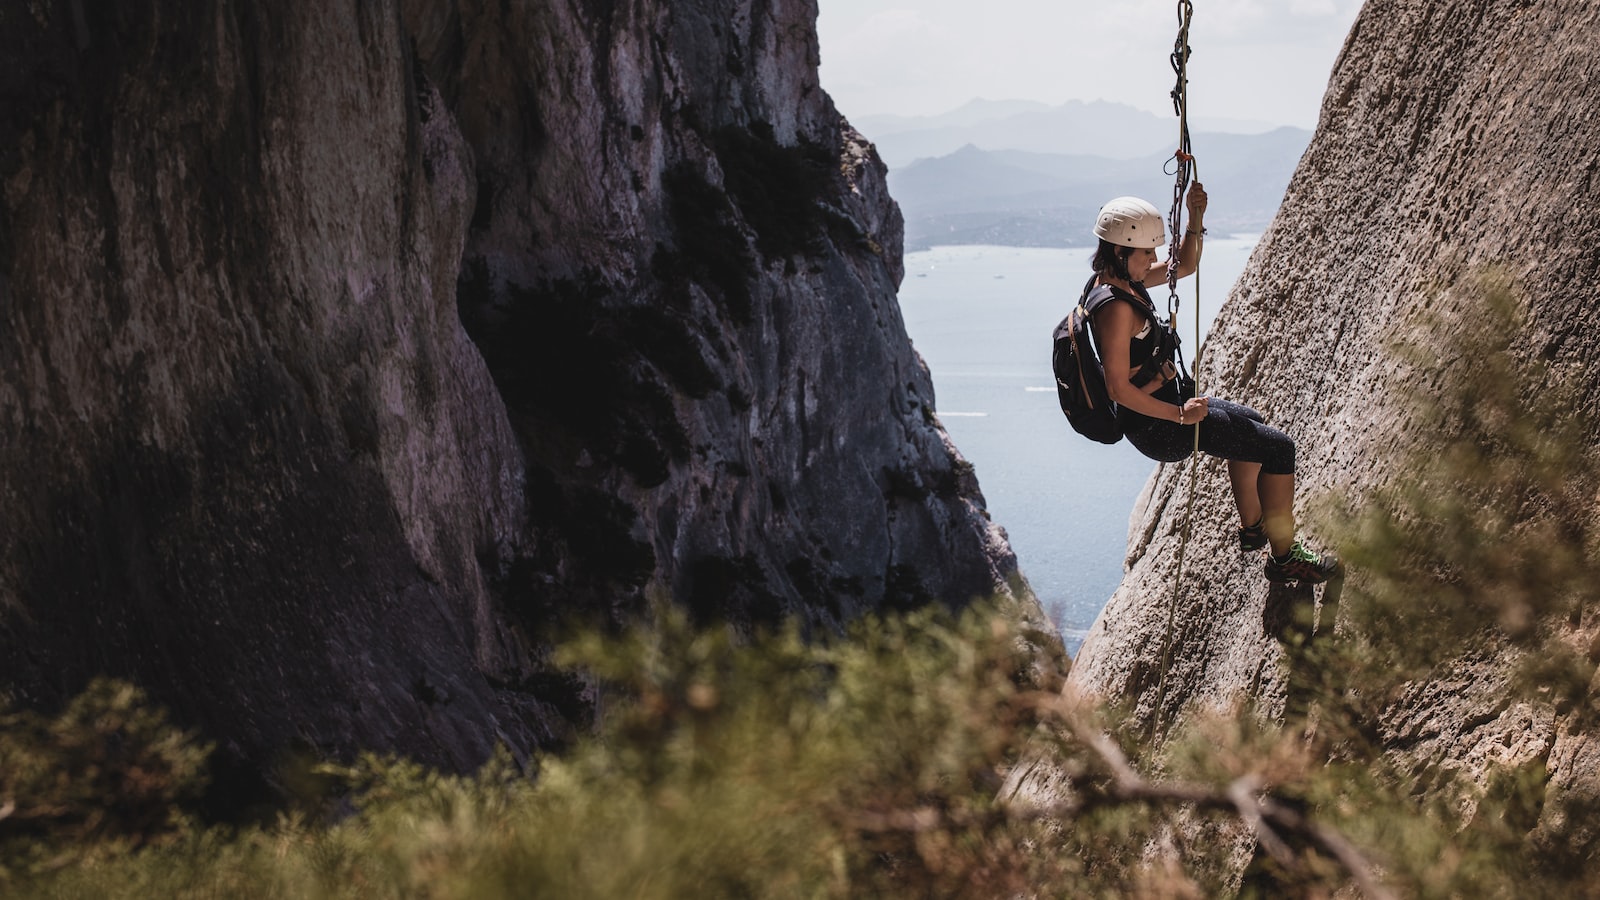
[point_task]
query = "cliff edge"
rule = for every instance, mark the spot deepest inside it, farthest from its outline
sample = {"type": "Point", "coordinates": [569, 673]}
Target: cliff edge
{"type": "Point", "coordinates": [348, 350]}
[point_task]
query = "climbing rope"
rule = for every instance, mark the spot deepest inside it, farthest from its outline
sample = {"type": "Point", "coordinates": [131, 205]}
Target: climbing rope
{"type": "Point", "coordinates": [1184, 157]}
{"type": "Point", "coordinates": [1186, 171]}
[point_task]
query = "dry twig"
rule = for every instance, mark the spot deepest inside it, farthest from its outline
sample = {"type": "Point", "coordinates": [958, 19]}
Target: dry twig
{"type": "Point", "coordinates": [1270, 819]}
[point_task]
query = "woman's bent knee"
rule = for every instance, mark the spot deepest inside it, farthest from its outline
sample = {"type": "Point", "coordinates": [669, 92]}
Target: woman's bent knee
{"type": "Point", "coordinates": [1280, 459]}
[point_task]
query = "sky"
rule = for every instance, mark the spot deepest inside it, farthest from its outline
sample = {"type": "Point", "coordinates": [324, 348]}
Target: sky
{"type": "Point", "coordinates": [1253, 60]}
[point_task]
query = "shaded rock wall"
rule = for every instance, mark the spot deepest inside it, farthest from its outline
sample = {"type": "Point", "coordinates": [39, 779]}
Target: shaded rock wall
{"type": "Point", "coordinates": [1453, 136]}
{"type": "Point", "coordinates": [345, 349]}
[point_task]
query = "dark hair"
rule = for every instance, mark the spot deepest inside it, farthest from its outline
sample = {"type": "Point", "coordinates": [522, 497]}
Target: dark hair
{"type": "Point", "coordinates": [1110, 259]}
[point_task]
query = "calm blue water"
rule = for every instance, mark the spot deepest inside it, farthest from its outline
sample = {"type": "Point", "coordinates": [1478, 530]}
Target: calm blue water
{"type": "Point", "coordinates": [982, 317]}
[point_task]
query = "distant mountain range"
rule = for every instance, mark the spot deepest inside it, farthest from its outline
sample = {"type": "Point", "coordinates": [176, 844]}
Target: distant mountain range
{"type": "Point", "coordinates": [1026, 174]}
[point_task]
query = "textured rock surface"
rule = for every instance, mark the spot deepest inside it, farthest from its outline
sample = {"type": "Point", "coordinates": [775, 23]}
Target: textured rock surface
{"type": "Point", "coordinates": [1453, 136]}
{"type": "Point", "coordinates": [346, 348]}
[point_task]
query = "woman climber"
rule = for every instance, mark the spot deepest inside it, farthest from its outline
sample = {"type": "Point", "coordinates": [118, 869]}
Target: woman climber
{"type": "Point", "coordinates": [1141, 379]}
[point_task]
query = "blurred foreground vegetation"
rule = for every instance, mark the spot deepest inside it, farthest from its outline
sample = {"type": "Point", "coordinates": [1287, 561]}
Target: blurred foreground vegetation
{"type": "Point", "coordinates": [887, 762]}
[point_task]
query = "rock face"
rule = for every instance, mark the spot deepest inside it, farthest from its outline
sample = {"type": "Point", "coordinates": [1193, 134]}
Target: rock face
{"type": "Point", "coordinates": [1453, 136]}
{"type": "Point", "coordinates": [347, 348]}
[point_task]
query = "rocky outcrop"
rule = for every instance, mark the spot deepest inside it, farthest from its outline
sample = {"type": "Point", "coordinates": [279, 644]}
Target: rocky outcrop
{"type": "Point", "coordinates": [346, 349]}
{"type": "Point", "coordinates": [1453, 137]}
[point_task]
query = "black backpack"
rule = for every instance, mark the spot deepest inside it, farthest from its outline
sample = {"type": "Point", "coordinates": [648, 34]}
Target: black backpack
{"type": "Point", "coordinates": [1080, 380]}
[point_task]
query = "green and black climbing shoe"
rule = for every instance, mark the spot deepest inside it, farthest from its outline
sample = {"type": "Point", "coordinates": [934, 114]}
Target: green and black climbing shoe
{"type": "Point", "coordinates": [1252, 537]}
{"type": "Point", "coordinates": [1302, 564]}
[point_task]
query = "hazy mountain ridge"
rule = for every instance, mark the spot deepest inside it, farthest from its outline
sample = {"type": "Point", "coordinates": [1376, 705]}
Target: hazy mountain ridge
{"type": "Point", "coordinates": [1022, 197]}
{"type": "Point", "coordinates": [1074, 127]}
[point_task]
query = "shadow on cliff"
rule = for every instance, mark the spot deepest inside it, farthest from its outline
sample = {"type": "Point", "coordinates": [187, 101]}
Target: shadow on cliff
{"type": "Point", "coordinates": [1293, 616]}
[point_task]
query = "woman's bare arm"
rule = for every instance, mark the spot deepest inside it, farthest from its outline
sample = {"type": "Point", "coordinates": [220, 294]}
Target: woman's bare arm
{"type": "Point", "coordinates": [1192, 242]}
{"type": "Point", "coordinates": [1115, 325]}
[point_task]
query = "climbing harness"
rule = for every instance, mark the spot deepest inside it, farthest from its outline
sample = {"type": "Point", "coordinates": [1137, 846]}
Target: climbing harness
{"type": "Point", "coordinates": [1185, 172]}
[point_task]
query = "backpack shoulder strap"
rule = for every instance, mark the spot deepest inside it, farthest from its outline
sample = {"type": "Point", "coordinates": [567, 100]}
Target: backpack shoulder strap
{"type": "Point", "coordinates": [1096, 297]}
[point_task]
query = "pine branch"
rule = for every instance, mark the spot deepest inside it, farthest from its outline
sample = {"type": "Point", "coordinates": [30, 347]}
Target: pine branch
{"type": "Point", "coordinates": [1268, 818]}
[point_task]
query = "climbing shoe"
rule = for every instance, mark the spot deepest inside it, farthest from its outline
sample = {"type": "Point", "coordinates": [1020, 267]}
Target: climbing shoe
{"type": "Point", "coordinates": [1252, 537]}
{"type": "Point", "coordinates": [1301, 564]}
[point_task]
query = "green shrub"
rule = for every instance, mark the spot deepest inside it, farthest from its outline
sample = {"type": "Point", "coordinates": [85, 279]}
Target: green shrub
{"type": "Point", "coordinates": [109, 773]}
{"type": "Point", "coordinates": [872, 763]}
{"type": "Point", "coordinates": [863, 766]}
{"type": "Point", "coordinates": [1482, 543]}
{"type": "Point", "coordinates": [1488, 531]}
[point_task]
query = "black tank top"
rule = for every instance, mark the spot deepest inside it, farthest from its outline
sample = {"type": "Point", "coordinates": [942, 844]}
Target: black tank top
{"type": "Point", "coordinates": [1147, 343]}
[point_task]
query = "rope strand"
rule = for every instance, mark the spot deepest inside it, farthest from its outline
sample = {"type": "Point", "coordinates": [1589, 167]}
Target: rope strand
{"type": "Point", "coordinates": [1186, 170]}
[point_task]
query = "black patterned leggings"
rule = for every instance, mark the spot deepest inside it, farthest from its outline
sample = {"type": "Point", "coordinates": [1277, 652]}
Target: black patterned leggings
{"type": "Point", "coordinates": [1230, 431]}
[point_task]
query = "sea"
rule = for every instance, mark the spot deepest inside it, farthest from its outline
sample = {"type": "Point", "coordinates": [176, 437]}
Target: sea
{"type": "Point", "coordinates": [982, 318]}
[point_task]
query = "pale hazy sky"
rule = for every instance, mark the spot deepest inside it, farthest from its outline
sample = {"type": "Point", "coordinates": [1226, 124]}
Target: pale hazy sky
{"type": "Point", "coordinates": [1262, 60]}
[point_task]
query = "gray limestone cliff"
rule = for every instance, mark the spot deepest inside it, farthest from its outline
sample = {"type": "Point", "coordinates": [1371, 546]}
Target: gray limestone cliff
{"type": "Point", "coordinates": [1453, 137]}
{"type": "Point", "coordinates": [348, 349]}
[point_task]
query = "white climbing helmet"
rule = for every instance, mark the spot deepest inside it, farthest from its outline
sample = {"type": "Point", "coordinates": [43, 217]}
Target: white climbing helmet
{"type": "Point", "coordinates": [1130, 222]}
